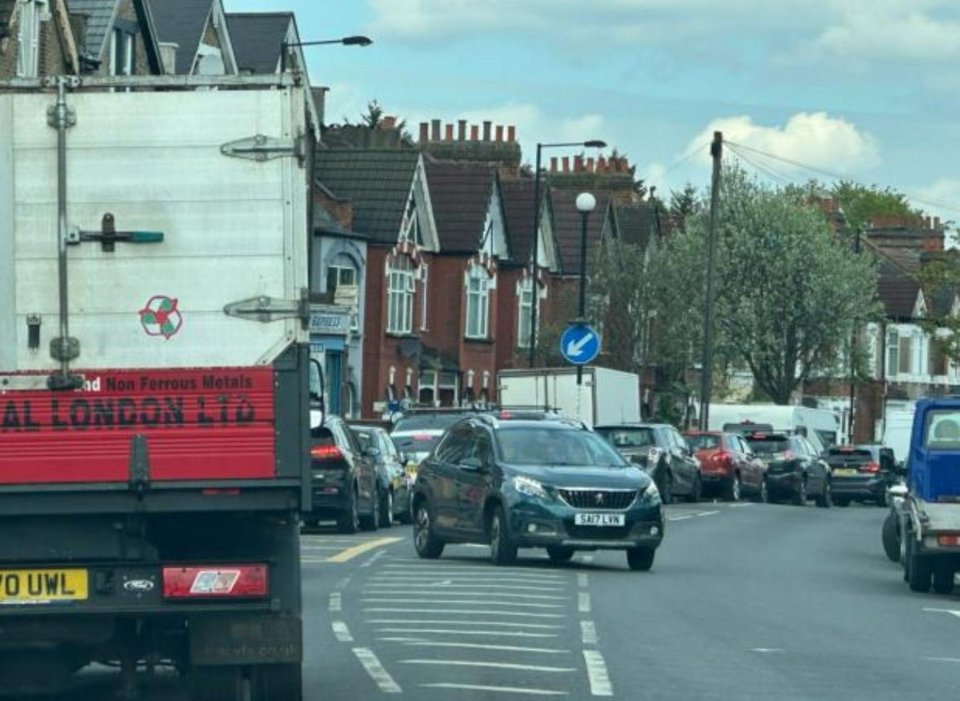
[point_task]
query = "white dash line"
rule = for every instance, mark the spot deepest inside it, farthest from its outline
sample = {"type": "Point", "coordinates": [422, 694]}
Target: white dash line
{"type": "Point", "coordinates": [588, 632]}
{"type": "Point", "coordinates": [583, 602]}
{"type": "Point", "coordinates": [480, 646]}
{"type": "Point", "coordinates": [341, 631]}
{"type": "Point", "coordinates": [498, 689]}
{"type": "Point", "coordinates": [952, 612]}
{"type": "Point", "coordinates": [444, 586]}
{"type": "Point", "coordinates": [707, 513]}
{"type": "Point", "coordinates": [482, 594]}
{"type": "Point", "coordinates": [376, 671]}
{"type": "Point", "coordinates": [434, 622]}
{"type": "Point", "coordinates": [486, 633]}
{"type": "Point", "coordinates": [468, 602]}
{"type": "Point", "coordinates": [679, 518]}
{"type": "Point", "coordinates": [587, 559]}
{"type": "Point", "coordinates": [494, 665]}
{"type": "Point", "coordinates": [942, 659]}
{"type": "Point", "coordinates": [373, 558]}
{"type": "Point", "coordinates": [474, 612]}
{"type": "Point", "coordinates": [597, 672]}
{"type": "Point", "coordinates": [583, 580]}
{"type": "Point", "coordinates": [336, 602]}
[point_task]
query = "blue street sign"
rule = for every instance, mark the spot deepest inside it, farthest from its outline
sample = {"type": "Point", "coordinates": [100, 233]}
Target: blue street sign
{"type": "Point", "coordinates": [580, 344]}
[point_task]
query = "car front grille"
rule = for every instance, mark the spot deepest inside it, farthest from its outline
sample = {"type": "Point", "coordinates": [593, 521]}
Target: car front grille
{"type": "Point", "coordinates": [599, 499]}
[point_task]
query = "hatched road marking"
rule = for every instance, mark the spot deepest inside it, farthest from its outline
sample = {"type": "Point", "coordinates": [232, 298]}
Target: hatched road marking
{"type": "Point", "coordinates": [494, 665]}
{"type": "Point", "coordinates": [496, 689]}
{"type": "Point", "coordinates": [376, 671]}
{"type": "Point", "coordinates": [597, 672]}
{"type": "Point", "coordinates": [341, 631]}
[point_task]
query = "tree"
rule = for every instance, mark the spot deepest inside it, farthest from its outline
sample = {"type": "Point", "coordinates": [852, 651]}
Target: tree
{"type": "Point", "coordinates": [374, 115]}
{"type": "Point", "coordinates": [940, 282]}
{"type": "Point", "coordinates": [860, 203]}
{"type": "Point", "coordinates": [618, 303]}
{"type": "Point", "coordinates": [683, 203]}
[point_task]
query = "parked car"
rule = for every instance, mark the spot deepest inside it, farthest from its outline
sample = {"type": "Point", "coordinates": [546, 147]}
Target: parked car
{"type": "Point", "coordinates": [395, 484]}
{"type": "Point", "coordinates": [663, 453]}
{"type": "Point", "coordinates": [794, 470]}
{"type": "Point", "coordinates": [541, 483]}
{"type": "Point", "coordinates": [345, 484]}
{"type": "Point", "coordinates": [728, 465]}
{"type": "Point", "coordinates": [862, 473]}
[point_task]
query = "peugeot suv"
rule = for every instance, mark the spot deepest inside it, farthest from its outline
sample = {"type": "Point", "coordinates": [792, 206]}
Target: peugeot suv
{"type": "Point", "coordinates": [534, 483]}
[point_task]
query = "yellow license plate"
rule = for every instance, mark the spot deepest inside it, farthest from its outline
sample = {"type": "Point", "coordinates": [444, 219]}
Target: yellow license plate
{"type": "Point", "coordinates": [412, 470]}
{"type": "Point", "coordinates": [43, 586]}
{"type": "Point", "coordinates": [845, 472]}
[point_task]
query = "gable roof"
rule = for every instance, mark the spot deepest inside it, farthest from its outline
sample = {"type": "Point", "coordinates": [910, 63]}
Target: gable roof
{"type": "Point", "coordinates": [378, 183]}
{"type": "Point", "coordinates": [636, 223]}
{"type": "Point", "coordinates": [567, 225]}
{"type": "Point", "coordinates": [460, 193]}
{"type": "Point", "coordinates": [99, 16]}
{"type": "Point", "coordinates": [181, 22]}
{"type": "Point", "coordinates": [517, 198]}
{"type": "Point", "coordinates": [258, 39]}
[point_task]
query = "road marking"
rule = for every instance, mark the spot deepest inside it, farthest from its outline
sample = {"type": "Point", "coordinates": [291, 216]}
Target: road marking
{"type": "Point", "coordinates": [495, 689]}
{"type": "Point", "coordinates": [588, 632]}
{"type": "Point", "coordinates": [446, 631]}
{"type": "Point", "coordinates": [493, 665]}
{"type": "Point", "coordinates": [467, 602]}
{"type": "Point", "coordinates": [767, 650]}
{"type": "Point", "coordinates": [342, 584]}
{"type": "Point", "coordinates": [952, 612]}
{"type": "Point", "coordinates": [376, 671]}
{"type": "Point", "coordinates": [679, 518]}
{"type": "Point", "coordinates": [341, 632]}
{"type": "Point", "coordinates": [583, 580]}
{"type": "Point", "coordinates": [467, 569]}
{"type": "Point", "coordinates": [442, 576]}
{"type": "Point", "coordinates": [740, 505]}
{"type": "Point", "coordinates": [336, 602]}
{"type": "Point", "coordinates": [587, 559]}
{"type": "Point", "coordinates": [445, 587]}
{"type": "Point", "coordinates": [597, 673]}
{"type": "Point", "coordinates": [374, 558]}
{"type": "Point", "coordinates": [321, 547]}
{"type": "Point", "coordinates": [707, 513]}
{"type": "Point", "coordinates": [475, 612]}
{"type": "Point", "coordinates": [942, 659]}
{"type": "Point", "coordinates": [479, 646]}
{"type": "Point", "coordinates": [583, 602]}
{"type": "Point", "coordinates": [500, 624]}
{"type": "Point", "coordinates": [356, 550]}
{"type": "Point", "coordinates": [445, 592]}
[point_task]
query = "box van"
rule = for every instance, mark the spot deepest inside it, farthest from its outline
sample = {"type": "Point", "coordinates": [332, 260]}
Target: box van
{"type": "Point", "coordinates": [820, 426]}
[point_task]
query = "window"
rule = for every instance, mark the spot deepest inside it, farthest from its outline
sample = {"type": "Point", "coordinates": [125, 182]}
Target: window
{"type": "Point", "coordinates": [478, 302]}
{"type": "Point", "coordinates": [122, 59]}
{"type": "Point", "coordinates": [342, 284]}
{"type": "Point", "coordinates": [400, 296]}
{"type": "Point", "coordinates": [525, 301]}
{"type": "Point", "coordinates": [906, 354]}
{"type": "Point", "coordinates": [424, 270]}
{"type": "Point", "coordinates": [893, 352]}
{"type": "Point", "coordinates": [28, 48]}
{"type": "Point", "coordinates": [339, 275]}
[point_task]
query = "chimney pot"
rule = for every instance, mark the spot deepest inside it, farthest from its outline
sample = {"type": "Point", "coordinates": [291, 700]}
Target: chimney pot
{"type": "Point", "coordinates": [499, 133]}
{"type": "Point", "coordinates": [511, 134]}
{"type": "Point", "coordinates": [566, 164]}
{"type": "Point", "coordinates": [590, 165]}
{"type": "Point", "coordinates": [424, 132]}
{"type": "Point", "coordinates": [474, 132]}
{"type": "Point", "coordinates": [435, 126]}
{"type": "Point", "coordinates": [553, 164]}
{"type": "Point", "coordinates": [486, 130]}
{"type": "Point", "coordinates": [601, 165]}
{"type": "Point", "coordinates": [936, 223]}
{"type": "Point", "coordinates": [388, 122]}
{"type": "Point", "coordinates": [578, 164]}
{"type": "Point", "coordinates": [449, 130]}
{"type": "Point", "coordinates": [462, 130]}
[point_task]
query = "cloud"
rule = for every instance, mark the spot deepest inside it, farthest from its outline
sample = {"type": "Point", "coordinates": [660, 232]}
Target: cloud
{"type": "Point", "coordinates": [941, 198]}
{"type": "Point", "coordinates": [813, 138]}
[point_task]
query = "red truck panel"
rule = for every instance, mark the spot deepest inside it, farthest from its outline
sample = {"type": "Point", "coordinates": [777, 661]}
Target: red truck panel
{"type": "Point", "coordinates": [200, 424]}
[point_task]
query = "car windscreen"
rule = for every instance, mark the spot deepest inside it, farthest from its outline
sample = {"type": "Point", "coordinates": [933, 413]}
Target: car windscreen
{"type": "Point", "coordinates": [942, 429]}
{"type": "Point", "coordinates": [703, 441]}
{"type": "Point", "coordinates": [553, 447]}
{"type": "Point", "coordinates": [769, 445]}
{"type": "Point", "coordinates": [628, 437]}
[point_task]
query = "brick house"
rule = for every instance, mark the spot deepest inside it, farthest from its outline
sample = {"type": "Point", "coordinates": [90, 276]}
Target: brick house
{"type": "Point", "coordinates": [36, 39]}
{"type": "Point", "coordinates": [194, 37]}
{"type": "Point", "coordinates": [116, 37]}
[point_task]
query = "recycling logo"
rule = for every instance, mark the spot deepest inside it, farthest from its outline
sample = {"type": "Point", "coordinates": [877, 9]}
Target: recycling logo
{"type": "Point", "coordinates": [161, 317]}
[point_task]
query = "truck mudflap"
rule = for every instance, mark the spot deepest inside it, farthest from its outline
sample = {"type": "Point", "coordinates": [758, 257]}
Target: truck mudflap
{"type": "Point", "coordinates": [237, 639]}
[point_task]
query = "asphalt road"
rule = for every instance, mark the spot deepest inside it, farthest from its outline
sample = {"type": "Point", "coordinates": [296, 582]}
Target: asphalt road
{"type": "Point", "coordinates": [743, 602]}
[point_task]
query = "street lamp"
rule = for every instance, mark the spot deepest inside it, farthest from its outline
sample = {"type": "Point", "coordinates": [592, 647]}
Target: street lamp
{"type": "Point", "coordinates": [357, 40]}
{"type": "Point", "coordinates": [593, 143]}
{"type": "Point", "coordinates": [586, 203]}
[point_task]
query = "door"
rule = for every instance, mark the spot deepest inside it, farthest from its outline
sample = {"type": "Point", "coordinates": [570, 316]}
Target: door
{"type": "Point", "coordinates": [685, 466]}
{"type": "Point", "coordinates": [473, 484]}
{"type": "Point", "coordinates": [751, 470]}
{"type": "Point", "coordinates": [443, 477]}
{"type": "Point", "coordinates": [365, 467]}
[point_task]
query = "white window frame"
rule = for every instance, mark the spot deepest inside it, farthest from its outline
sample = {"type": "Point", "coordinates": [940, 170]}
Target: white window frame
{"type": "Point", "coordinates": [892, 361]}
{"type": "Point", "coordinates": [28, 37]}
{"type": "Point", "coordinates": [525, 302]}
{"type": "Point", "coordinates": [337, 270]}
{"type": "Point", "coordinates": [400, 293]}
{"type": "Point", "coordinates": [477, 321]}
{"type": "Point", "coordinates": [424, 280]}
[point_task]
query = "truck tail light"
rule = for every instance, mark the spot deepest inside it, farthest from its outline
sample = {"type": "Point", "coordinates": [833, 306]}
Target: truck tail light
{"type": "Point", "coordinates": [870, 467]}
{"type": "Point", "coordinates": [216, 582]}
{"type": "Point", "coordinates": [326, 453]}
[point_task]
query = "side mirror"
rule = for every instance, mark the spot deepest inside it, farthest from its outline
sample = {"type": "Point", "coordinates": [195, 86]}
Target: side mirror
{"type": "Point", "coordinates": [471, 464]}
{"type": "Point", "coordinates": [372, 452]}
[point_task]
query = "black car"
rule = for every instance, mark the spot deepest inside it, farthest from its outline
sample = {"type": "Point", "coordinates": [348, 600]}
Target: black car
{"type": "Point", "coordinates": [419, 431]}
{"type": "Point", "coordinates": [663, 453]}
{"type": "Point", "coordinates": [536, 483]}
{"type": "Point", "coordinates": [862, 473]}
{"type": "Point", "coordinates": [795, 471]}
{"type": "Point", "coordinates": [395, 484]}
{"type": "Point", "coordinates": [345, 484]}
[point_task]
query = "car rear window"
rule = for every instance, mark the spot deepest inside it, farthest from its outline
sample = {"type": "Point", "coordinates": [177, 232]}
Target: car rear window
{"type": "Point", "coordinates": [849, 456]}
{"type": "Point", "coordinates": [768, 445]}
{"type": "Point", "coordinates": [426, 422]}
{"type": "Point", "coordinates": [703, 441]}
{"type": "Point", "coordinates": [556, 447]}
{"type": "Point", "coordinates": [628, 437]}
{"type": "Point", "coordinates": [417, 442]}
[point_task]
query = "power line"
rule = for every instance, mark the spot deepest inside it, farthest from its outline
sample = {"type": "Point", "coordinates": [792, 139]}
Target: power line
{"type": "Point", "coordinates": [769, 172]}
{"type": "Point", "coordinates": [693, 152]}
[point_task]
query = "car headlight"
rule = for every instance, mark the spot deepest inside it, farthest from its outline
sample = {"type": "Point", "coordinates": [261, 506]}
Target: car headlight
{"type": "Point", "coordinates": [530, 487]}
{"type": "Point", "coordinates": [651, 493]}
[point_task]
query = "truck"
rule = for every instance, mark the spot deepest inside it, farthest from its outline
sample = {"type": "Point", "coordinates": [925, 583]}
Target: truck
{"type": "Point", "coordinates": [820, 426]}
{"type": "Point", "coordinates": [930, 513]}
{"type": "Point", "coordinates": [155, 401]}
{"type": "Point", "coordinates": [897, 426]}
{"type": "Point", "coordinates": [604, 397]}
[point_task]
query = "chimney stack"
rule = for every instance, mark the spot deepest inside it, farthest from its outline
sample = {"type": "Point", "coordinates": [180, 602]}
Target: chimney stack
{"type": "Point", "coordinates": [590, 163]}
{"type": "Point", "coordinates": [435, 126]}
{"type": "Point", "coordinates": [388, 122]}
{"type": "Point", "coordinates": [578, 164]}
{"type": "Point", "coordinates": [601, 165]}
{"type": "Point", "coordinates": [462, 130]}
{"type": "Point", "coordinates": [553, 164]}
{"type": "Point", "coordinates": [566, 164]}
{"type": "Point", "coordinates": [486, 130]}
{"type": "Point", "coordinates": [424, 132]}
{"type": "Point", "coordinates": [474, 132]}
{"type": "Point", "coordinates": [499, 133]}
{"type": "Point", "coordinates": [449, 130]}
{"type": "Point", "coordinates": [511, 134]}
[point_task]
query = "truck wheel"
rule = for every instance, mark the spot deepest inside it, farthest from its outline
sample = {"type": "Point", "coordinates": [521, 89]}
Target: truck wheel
{"type": "Point", "coordinates": [502, 551]}
{"type": "Point", "coordinates": [277, 681]}
{"type": "Point", "coordinates": [943, 580]}
{"type": "Point", "coordinates": [349, 521]}
{"type": "Point", "coordinates": [919, 571]}
{"type": "Point", "coordinates": [891, 539]}
{"type": "Point", "coordinates": [428, 546]}
{"type": "Point", "coordinates": [640, 559]}
{"type": "Point", "coordinates": [371, 521]}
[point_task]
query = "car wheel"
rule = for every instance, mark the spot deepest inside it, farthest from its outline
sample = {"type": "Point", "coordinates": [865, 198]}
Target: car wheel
{"type": "Point", "coordinates": [800, 498]}
{"type": "Point", "coordinates": [386, 509]}
{"type": "Point", "coordinates": [943, 580]}
{"type": "Point", "coordinates": [640, 559]}
{"type": "Point", "coordinates": [696, 491]}
{"type": "Point", "coordinates": [560, 554]}
{"type": "Point", "coordinates": [825, 500]}
{"type": "Point", "coordinates": [666, 488]}
{"type": "Point", "coordinates": [427, 545]}
{"type": "Point", "coordinates": [919, 573]}
{"type": "Point", "coordinates": [764, 491]}
{"type": "Point", "coordinates": [371, 521]}
{"type": "Point", "coordinates": [502, 551]}
{"type": "Point", "coordinates": [890, 537]}
{"type": "Point", "coordinates": [349, 521]}
{"type": "Point", "coordinates": [733, 492]}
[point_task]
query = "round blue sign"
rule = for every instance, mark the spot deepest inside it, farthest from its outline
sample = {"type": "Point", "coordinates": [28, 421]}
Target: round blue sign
{"type": "Point", "coordinates": [580, 344]}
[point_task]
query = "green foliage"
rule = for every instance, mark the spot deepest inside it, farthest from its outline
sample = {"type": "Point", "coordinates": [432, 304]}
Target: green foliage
{"type": "Point", "coordinates": [684, 202]}
{"type": "Point", "coordinates": [861, 202]}
{"type": "Point", "coordinates": [940, 283]}
{"type": "Point", "coordinates": [617, 302]}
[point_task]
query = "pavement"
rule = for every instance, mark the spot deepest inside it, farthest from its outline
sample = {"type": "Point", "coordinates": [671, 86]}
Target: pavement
{"type": "Point", "coordinates": [744, 601]}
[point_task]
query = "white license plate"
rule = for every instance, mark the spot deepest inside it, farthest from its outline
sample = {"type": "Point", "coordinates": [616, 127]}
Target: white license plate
{"type": "Point", "coordinates": [595, 519]}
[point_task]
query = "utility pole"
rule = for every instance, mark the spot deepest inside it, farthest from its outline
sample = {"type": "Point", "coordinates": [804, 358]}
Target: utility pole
{"type": "Point", "coordinates": [853, 346]}
{"type": "Point", "coordinates": [706, 370]}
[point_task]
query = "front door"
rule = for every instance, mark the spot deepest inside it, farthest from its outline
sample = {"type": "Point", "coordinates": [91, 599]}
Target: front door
{"type": "Point", "coordinates": [473, 484]}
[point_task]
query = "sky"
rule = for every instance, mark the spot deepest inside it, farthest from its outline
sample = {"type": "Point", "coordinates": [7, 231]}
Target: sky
{"type": "Point", "coordinates": [866, 90]}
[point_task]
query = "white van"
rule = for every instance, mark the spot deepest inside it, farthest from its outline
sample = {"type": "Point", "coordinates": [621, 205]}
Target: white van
{"type": "Point", "coordinates": [820, 426]}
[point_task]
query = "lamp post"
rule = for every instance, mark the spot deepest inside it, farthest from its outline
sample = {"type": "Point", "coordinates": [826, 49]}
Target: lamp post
{"type": "Point", "coordinates": [593, 143]}
{"type": "Point", "coordinates": [586, 203]}
{"type": "Point", "coordinates": [357, 40]}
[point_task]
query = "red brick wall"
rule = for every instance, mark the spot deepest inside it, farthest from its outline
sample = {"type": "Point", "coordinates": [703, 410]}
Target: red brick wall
{"type": "Point", "coordinates": [507, 355]}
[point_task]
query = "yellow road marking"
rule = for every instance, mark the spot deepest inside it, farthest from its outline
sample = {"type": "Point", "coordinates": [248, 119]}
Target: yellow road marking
{"type": "Point", "coordinates": [356, 550]}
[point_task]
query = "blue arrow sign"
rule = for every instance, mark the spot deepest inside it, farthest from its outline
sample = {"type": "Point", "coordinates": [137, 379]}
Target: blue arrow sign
{"type": "Point", "coordinates": [580, 344]}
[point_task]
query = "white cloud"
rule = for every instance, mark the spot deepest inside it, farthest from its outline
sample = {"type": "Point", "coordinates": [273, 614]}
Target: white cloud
{"type": "Point", "coordinates": [941, 198]}
{"type": "Point", "coordinates": [892, 30]}
{"type": "Point", "coordinates": [811, 138]}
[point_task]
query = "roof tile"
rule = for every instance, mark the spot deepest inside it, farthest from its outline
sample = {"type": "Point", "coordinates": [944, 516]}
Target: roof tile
{"type": "Point", "coordinates": [460, 193]}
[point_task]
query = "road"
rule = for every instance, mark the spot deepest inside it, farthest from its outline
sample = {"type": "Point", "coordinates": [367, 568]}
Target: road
{"type": "Point", "coordinates": [744, 602]}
